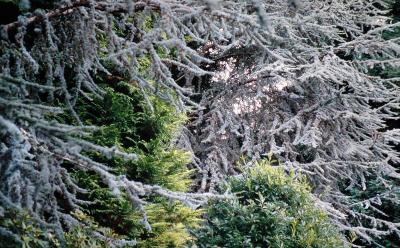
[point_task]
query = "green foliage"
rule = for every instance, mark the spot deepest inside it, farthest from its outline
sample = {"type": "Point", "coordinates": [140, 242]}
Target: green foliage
{"type": "Point", "coordinates": [170, 222]}
{"type": "Point", "coordinates": [32, 235]}
{"type": "Point", "coordinates": [82, 236]}
{"type": "Point", "coordinates": [29, 232]}
{"type": "Point", "coordinates": [127, 123]}
{"type": "Point", "coordinates": [272, 209]}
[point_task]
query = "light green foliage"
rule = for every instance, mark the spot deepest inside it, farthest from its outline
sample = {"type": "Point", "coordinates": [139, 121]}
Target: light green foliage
{"type": "Point", "coordinates": [82, 236]}
{"type": "Point", "coordinates": [170, 224]}
{"type": "Point", "coordinates": [272, 209]}
{"type": "Point", "coordinates": [127, 122]}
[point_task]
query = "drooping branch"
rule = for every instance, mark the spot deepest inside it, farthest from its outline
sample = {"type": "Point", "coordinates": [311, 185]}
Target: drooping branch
{"type": "Point", "coordinates": [67, 9]}
{"type": "Point", "coordinates": [296, 93]}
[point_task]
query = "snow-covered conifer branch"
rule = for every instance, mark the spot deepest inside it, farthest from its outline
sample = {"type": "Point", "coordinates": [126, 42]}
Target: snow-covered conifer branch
{"type": "Point", "coordinates": [304, 92]}
{"type": "Point", "coordinates": [290, 77]}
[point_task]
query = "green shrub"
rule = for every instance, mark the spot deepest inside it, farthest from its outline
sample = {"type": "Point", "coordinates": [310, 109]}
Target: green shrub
{"type": "Point", "coordinates": [272, 209]}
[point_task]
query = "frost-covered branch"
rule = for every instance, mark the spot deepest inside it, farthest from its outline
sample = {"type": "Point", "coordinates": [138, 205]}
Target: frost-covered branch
{"type": "Point", "coordinates": [290, 77]}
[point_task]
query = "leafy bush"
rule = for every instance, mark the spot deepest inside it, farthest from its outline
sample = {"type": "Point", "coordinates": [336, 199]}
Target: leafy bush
{"type": "Point", "coordinates": [272, 209]}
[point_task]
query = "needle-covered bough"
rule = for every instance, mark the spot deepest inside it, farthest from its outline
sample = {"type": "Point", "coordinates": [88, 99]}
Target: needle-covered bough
{"type": "Point", "coordinates": [286, 76]}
